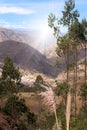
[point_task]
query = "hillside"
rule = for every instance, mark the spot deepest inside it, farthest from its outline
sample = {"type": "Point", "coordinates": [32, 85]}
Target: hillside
{"type": "Point", "coordinates": [20, 36]}
{"type": "Point", "coordinates": [31, 38]}
{"type": "Point", "coordinates": [27, 57]}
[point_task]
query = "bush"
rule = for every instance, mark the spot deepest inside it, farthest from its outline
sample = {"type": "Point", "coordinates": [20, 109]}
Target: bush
{"type": "Point", "coordinates": [15, 106]}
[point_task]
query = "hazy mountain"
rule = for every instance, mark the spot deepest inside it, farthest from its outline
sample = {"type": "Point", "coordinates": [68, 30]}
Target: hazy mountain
{"type": "Point", "coordinates": [20, 36]}
{"type": "Point", "coordinates": [21, 47]}
{"type": "Point", "coordinates": [31, 37]}
{"type": "Point", "coordinates": [26, 56]}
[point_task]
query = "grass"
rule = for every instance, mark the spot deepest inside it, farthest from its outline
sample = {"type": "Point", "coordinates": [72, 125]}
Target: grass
{"type": "Point", "coordinates": [32, 101]}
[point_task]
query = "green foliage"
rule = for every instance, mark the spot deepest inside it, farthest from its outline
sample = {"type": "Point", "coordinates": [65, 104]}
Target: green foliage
{"type": "Point", "coordinates": [79, 123]}
{"type": "Point", "coordinates": [11, 77]}
{"type": "Point", "coordinates": [15, 106]}
{"type": "Point", "coordinates": [22, 87]}
{"type": "Point", "coordinates": [53, 23]}
{"type": "Point", "coordinates": [62, 44]}
{"type": "Point", "coordinates": [37, 85]}
{"type": "Point", "coordinates": [31, 118]}
{"type": "Point", "coordinates": [69, 14]}
{"type": "Point", "coordinates": [46, 120]}
{"type": "Point", "coordinates": [22, 126]}
{"type": "Point", "coordinates": [84, 27]}
{"type": "Point", "coordinates": [39, 80]}
{"type": "Point", "coordinates": [68, 44]}
{"type": "Point", "coordinates": [9, 71]}
{"type": "Point", "coordinates": [36, 88]}
{"type": "Point", "coordinates": [51, 20]}
{"type": "Point", "coordinates": [83, 95]}
{"type": "Point", "coordinates": [83, 92]}
{"type": "Point", "coordinates": [3, 87]}
{"type": "Point", "coordinates": [8, 87]}
{"type": "Point", "coordinates": [61, 90]}
{"type": "Point", "coordinates": [76, 33]}
{"type": "Point", "coordinates": [71, 66]}
{"type": "Point", "coordinates": [61, 115]}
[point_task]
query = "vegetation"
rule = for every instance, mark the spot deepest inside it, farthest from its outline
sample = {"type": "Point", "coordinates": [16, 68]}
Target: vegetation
{"type": "Point", "coordinates": [39, 79]}
{"type": "Point", "coordinates": [19, 115]}
{"type": "Point", "coordinates": [70, 112]}
{"type": "Point", "coordinates": [62, 90]}
{"type": "Point", "coordinates": [37, 85]}
{"type": "Point", "coordinates": [14, 107]}
{"type": "Point", "coordinates": [69, 45]}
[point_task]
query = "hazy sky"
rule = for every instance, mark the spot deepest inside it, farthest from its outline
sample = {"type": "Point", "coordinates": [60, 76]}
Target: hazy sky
{"type": "Point", "coordinates": [33, 14]}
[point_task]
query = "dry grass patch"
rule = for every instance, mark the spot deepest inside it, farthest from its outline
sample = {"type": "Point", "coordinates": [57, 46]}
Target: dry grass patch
{"type": "Point", "coordinates": [32, 101]}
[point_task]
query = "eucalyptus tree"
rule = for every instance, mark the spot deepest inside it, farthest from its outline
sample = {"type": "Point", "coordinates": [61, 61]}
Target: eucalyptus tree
{"type": "Point", "coordinates": [77, 37]}
{"type": "Point", "coordinates": [73, 36]}
{"type": "Point", "coordinates": [69, 16]}
{"type": "Point", "coordinates": [53, 23]}
{"type": "Point", "coordinates": [84, 27]}
{"type": "Point", "coordinates": [62, 46]}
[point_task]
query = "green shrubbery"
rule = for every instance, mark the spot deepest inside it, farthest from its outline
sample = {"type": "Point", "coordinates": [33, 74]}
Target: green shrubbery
{"type": "Point", "coordinates": [14, 106]}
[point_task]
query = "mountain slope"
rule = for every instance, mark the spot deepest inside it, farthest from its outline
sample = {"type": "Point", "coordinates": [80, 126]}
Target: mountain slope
{"type": "Point", "coordinates": [26, 56]}
{"type": "Point", "coordinates": [20, 36]}
{"type": "Point", "coordinates": [31, 38]}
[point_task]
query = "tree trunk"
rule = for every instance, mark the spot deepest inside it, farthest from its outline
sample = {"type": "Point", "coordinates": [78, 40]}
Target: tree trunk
{"type": "Point", "coordinates": [76, 56]}
{"type": "Point", "coordinates": [85, 63]}
{"type": "Point", "coordinates": [68, 110]}
{"type": "Point", "coordinates": [68, 104]}
{"type": "Point", "coordinates": [67, 64]}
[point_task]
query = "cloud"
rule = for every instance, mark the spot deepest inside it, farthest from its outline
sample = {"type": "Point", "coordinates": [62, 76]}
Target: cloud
{"type": "Point", "coordinates": [6, 24]}
{"type": "Point", "coordinates": [15, 10]}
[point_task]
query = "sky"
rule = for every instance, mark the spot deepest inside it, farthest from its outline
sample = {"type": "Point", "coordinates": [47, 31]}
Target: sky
{"type": "Point", "coordinates": [33, 14]}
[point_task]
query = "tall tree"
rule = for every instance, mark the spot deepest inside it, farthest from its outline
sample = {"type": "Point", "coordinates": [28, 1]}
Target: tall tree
{"type": "Point", "coordinates": [69, 16]}
{"type": "Point", "coordinates": [11, 75]}
{"type": "Point", "coordinates": [77, 37]}
{"type": "Point", "coordinates": [10, 71]}
{"type": "Point", "coordinates": [70, 41]}
{"type": "Point", "coordinates": [84, 29]}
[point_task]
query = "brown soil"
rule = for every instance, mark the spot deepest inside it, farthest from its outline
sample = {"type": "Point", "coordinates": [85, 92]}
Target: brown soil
{"type": "Point", "coordinates": [4, 125]}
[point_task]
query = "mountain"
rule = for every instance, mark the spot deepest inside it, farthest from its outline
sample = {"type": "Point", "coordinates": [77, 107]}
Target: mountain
{"type": "Point", "coordinates": [26, 56]}
{"type": "Point", "coordinates": [32, 38]}
{"type": "Point", "coordinates": [20, 36]}
{"type": "Point", "coordinates": [22, 48]}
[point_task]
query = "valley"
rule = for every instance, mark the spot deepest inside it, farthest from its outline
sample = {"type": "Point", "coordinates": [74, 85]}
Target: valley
{"type": "Point", "coordinates": [43, 74]}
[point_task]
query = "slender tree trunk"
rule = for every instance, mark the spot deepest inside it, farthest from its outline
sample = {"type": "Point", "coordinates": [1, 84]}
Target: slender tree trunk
{"type": "Point", "coordinates": [74, 79]}
{"type": "Point", "coordinates": [85, 71]}
{"type": "Point", "coordinates": [85, 63]}
{"type": "Point", "coordinates": [76, 55]}
{"type": "Point", "coordinates": [68, 111]}
{"type": "Point", "coordinates": [67, 64]}
{"type": "Point", "coordinates": [68, 103]}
